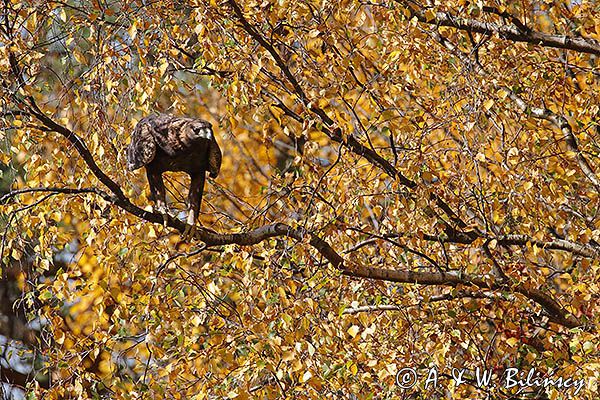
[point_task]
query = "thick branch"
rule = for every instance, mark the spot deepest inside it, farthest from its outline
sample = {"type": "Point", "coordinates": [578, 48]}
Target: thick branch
{"type": "Point", "coordinates": [510, 32]}
{"type": "Point", "coordinates": [211, 238]}
{"type": "Point", "coordinates": [555, 312]}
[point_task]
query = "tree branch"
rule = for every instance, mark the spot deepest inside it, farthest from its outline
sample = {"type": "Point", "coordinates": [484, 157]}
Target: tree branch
{"type": "Point", "coordinates": [516, 33]}
{"type": "Point", "coordinates": [555, 312]}
{"type": "Point", "coordinates": [437, 298]}
{"type": "Point", "coordinates": [557, 244]}
{"type": "Point", "coordinates": [17, 192]}
{"type": "Point", "coordinates": [211, 238]}
{"type": "Point", "coordinates": [330, 130]}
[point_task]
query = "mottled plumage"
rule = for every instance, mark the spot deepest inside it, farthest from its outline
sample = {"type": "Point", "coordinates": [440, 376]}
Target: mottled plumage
{"type": "Point", "coordinates": [167, 143]}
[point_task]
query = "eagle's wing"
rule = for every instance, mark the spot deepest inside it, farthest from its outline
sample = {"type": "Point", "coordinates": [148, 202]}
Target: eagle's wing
{"type": "Point", "coordinates": [214, 158]}
{"type": "Point", "coordinates": [173, 135]}
{"type": "Point", "coordinates": [142, 148]}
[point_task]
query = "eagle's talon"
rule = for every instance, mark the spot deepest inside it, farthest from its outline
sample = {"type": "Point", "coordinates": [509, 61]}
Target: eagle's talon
{"type": "Point", "coordinates": [188, 233]}
{"type": "Point", "coordinates": [161, 208]}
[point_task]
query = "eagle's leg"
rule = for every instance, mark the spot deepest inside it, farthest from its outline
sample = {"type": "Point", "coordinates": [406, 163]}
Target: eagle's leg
{"type": "Point", "coordinates": [157, 194]}
{"type": "Point", "coordinates": [194, 201]}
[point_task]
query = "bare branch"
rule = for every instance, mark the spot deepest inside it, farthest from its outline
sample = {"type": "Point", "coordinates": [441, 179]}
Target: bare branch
{"type": "Point", "coordinates": [57, 190]}
{"type": "Point", "coordinates": [556, 313]}
{"type": "Point", "coordinates": [383, 307]}
{"type": "Point", "coordinates": [432, 299]}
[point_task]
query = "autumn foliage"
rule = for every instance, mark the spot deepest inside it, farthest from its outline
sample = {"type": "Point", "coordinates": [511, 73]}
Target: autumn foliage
{"type": "Point", "coordinates": [404, 185]}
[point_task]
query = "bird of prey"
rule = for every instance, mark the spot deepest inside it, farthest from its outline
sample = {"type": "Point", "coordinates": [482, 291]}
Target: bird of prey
{"type": "Point", "coordinates": [168, 143]}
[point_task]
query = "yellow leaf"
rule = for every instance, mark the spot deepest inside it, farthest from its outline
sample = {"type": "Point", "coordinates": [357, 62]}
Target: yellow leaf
{"type": "Point", "coordinates": [458, 106]}
{"type": "Point", "coordinates": [133, 30]}
{"type": "Point", "coordinates": [306, 376]}
{"type": "Point", "coordinates": [16, 254]}
{"type": "Point", "coordinates": [79, 57]}
{"type": "Point", "coordinates": [163, 67]}
{"type": "Point", "coordinates": [277, 112]}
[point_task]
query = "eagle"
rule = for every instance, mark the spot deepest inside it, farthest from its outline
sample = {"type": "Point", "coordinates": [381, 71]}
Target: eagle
{"type": "Point", "coordinates": [165, 142]}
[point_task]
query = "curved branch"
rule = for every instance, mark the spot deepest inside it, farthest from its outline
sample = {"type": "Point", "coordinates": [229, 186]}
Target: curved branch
{"type": "Point", "coordinates": [211, 238]}
{"type": "Point", "coordinates": [502, 240]}
{"type": "Point", "coordinates": [17, 192]}
{"type": "Point", "coordinates": [437, 298]}
{"type": "Point", "coordinates": [82, 149]}
{"type": "Point", "coordinates": [374, 308]}
{"type": "Point", "coordinates": [556, 313]}
{"type": "Point", "coordinates": [557, 244]}
{"type": "Point", "coordinates": [330, 130]}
